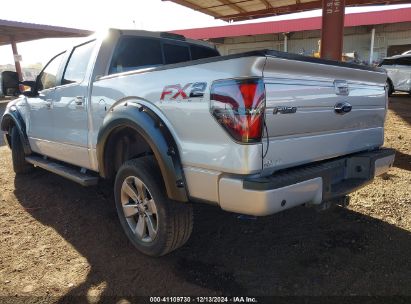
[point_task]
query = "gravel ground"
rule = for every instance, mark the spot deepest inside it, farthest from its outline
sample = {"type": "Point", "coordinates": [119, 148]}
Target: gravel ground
{"type": "Point", "coordinates": [60, 239]}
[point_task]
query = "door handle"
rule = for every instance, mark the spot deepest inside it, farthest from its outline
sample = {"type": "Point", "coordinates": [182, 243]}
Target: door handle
{"type": "Point", "coordinates": [49, 103]}
{"type": "Point", "coordinates": [79, 101]}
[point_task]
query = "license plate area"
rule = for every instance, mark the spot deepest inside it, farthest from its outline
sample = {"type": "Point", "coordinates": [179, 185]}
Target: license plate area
{"type": "Point", "coordinates": [340, 176]}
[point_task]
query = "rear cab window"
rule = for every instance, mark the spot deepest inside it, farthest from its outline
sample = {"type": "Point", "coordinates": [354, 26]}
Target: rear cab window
{"type": "Point", "coordinates": [405, 61]}
{"type": "Point", "coordinates": [386, 62]}
{"type": "Point", "coordinates": [200, 52]}
{"type": "Point", "coordinates": [175, 53]}
{"type": "Point", "coordinates": [133, 52]}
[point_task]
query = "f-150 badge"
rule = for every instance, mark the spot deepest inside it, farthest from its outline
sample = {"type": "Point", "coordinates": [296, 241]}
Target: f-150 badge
{"type": "Point", "coordinates": [284, 110]}
{"type": "Point", "coordinates": [190, 90]}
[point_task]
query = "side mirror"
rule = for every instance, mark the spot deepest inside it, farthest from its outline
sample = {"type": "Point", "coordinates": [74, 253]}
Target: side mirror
{"type": "Point", "coordinates": [10, 83]}
{"type": "Point", "coordinates": [11, 86]}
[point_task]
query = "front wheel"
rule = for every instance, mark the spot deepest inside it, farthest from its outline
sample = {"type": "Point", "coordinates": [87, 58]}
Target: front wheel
{"type": "Point", "coordinates": [20, 166]}
{"type": "Point", "coordinates": [154, 224]}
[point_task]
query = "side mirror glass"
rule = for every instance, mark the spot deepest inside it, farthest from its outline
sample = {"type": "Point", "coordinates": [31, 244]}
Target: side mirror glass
{"type": "Point", "coordinates": [10, 83]}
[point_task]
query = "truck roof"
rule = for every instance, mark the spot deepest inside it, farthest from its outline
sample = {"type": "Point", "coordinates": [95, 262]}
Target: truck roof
{"type": "Point", "coordinates": [162, 35]}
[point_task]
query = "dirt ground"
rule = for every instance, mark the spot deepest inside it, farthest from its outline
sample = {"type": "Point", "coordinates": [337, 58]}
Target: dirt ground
{"type": "Point", "coordinates": [59, 239]}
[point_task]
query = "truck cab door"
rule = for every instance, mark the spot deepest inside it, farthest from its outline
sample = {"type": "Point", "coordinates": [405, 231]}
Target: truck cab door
{"type": "Point", "coordinates": [40, 129]}
{"type": "Point", "coordinates": [70, 108]}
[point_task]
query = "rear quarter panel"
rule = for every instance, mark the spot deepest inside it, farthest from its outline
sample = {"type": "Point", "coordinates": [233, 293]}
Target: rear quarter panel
{"type": "Point", "coordinates": [201, 141]}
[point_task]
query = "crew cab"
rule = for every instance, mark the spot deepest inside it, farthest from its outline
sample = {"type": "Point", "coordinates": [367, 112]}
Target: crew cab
{"type": "Point", "coordinates": [173, 123]}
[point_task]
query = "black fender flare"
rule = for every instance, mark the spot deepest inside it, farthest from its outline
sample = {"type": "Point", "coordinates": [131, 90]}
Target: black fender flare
{"type": "Point", "coordinates": [390, 89]}
{"type": "Point", "coordinates": [390, 81]}
{"type": "Point", "coordinates": [149, 125]}
{"type": "Point", "coordinates": [12, 117]}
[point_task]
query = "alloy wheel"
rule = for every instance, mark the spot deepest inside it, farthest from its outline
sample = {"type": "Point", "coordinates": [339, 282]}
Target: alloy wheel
{"type": "Point", "coordinates": [139, 209]}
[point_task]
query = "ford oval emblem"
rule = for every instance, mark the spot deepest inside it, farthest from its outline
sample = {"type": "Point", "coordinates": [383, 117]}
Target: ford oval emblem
{"type": "Point", "coordinates": [342, 107]}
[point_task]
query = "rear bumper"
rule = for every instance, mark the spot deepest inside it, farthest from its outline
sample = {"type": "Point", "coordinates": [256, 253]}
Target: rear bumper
{"type": "Point", "coordinates": [310, 184]}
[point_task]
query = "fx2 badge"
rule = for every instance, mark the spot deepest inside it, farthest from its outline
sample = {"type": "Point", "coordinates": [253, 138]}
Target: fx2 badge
{"type": "Point", "coordinates": [177, 91]}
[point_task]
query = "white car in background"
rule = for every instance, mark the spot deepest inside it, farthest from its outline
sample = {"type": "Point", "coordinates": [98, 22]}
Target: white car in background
{"type": "Point", "coordinates": [399, 73]}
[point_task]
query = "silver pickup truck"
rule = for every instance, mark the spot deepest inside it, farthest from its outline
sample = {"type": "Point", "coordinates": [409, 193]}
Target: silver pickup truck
{"type": "Point", "coordinates": [173, 123]}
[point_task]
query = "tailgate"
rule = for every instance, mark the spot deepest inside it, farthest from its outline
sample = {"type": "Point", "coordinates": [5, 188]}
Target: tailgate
{"type": "Point", "coordinates": [318, 111]}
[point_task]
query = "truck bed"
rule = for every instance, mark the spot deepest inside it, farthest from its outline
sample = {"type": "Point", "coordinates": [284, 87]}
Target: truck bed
{"type": "Point", "coordinates": [313, 133]}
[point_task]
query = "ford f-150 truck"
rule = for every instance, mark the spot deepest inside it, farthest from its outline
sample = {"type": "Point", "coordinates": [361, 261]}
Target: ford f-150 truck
{"type": "Point", "coordinates": [172, 122]}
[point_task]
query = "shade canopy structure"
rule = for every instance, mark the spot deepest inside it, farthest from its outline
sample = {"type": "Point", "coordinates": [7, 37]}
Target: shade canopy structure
{"type": "Point", "coordinates": [12, 32]}
{"type": "Point", "coordinates": [332, 22]}
{"type": "Point", "coordinates": [238, 10]}
{"type": "Point", "coordinates": [21, 31]}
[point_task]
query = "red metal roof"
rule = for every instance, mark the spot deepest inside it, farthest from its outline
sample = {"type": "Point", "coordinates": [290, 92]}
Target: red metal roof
{"type": "Point", "coordinates": [294, 25]}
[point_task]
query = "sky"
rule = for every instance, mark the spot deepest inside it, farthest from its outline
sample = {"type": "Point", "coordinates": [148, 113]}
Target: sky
{"type": "Point", "coordinates": [97, 15]}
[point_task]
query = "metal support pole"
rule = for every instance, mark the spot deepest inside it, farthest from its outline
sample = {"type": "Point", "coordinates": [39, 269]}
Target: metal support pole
{"type": "Point", "coordinates": [285, 42]}
{"type": "Point", "coordinates": [332, 31]}
{"type": "Point", "coordinates": [372, 45]}
{"type": "Point", "coordinates": [16, 61]}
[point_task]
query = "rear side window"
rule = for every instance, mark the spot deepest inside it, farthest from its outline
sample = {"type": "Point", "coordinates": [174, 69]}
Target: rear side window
{"type": "Point", "coordinates": [387, 62]}
{"type": "Point", "coordinates": [77, 65]}
{"type": "Point", "coordinates": [404, 61]}
{"type": "Point", "coordinates": [199, 52]}
{"type": "Point", "coordinates": [133, 53]}
{"type": "Point", "coordinates": [175, 53]}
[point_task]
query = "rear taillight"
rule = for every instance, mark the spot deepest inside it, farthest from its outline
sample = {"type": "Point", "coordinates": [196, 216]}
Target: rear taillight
{"type": "Point", "coordinates": [238, 106]}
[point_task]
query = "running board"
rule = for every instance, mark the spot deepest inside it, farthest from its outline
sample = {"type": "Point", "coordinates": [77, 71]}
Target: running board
{"type": "Point", "coordinates": [67, 171]}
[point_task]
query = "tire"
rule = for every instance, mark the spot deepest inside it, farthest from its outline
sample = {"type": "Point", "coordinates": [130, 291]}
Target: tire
{"type": "Point", "coordinates": [171, 222]}
{"type": "Point", "coordinates": [390, 88]}
{"type": "Point", "coordinates": [20, 166]}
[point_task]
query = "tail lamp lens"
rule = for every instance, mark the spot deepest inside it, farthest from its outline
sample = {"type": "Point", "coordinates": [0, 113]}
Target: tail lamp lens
{"type": "Point", "coordinates": [238, 106]}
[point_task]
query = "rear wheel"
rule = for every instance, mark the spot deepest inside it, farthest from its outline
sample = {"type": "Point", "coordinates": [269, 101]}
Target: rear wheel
{"type": "Point", "coordinates": [154, 224]}
{"type": "Point", "coordinates": [17, 152]}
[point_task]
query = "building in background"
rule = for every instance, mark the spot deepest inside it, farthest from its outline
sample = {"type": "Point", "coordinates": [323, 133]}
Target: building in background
{"type": "Point", "coordinates": [368, 37]}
